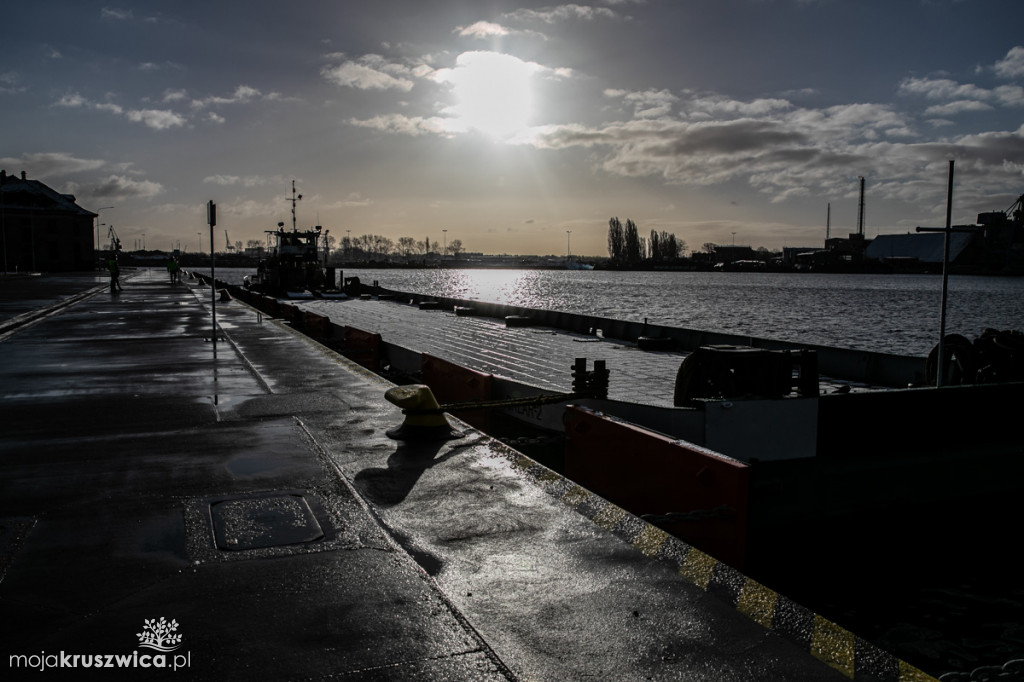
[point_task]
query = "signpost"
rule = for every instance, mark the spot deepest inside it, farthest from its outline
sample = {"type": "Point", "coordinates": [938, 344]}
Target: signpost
{"type": "Point", "coordinates": [211, 218]}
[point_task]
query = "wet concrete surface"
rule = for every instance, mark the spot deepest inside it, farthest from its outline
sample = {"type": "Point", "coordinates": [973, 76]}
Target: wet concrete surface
{"type": "Point", "coordinates": [27, 292]}
{"type": "Point", "coordinates": [143, 478]}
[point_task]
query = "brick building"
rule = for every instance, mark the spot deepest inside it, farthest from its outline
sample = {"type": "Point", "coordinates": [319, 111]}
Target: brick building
{"type": "Point", "coordinates": [43, 230]}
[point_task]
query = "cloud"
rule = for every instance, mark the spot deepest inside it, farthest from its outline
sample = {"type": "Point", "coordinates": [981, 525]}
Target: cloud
{"type": "Point", "coordinates": [157, 119]}
{"type": "Point", "coordinates": [244, 181]}
{"type": "Point", "coordinates": [121, 188]}
{"type": "Point", "coordinates": [942, 88]}
{"type": "Point", "coordinates": [648, 103]}
{"type": "Point", "coordinates": [116, 14]}
{"type": "Point", "coordinates": [961, 97]}
{"type": "Point", "coordinates": [370, 72]}
{"type": "Point", "coordinates": [10, 83]}
{"type": "Point", "coordinates": [72, 99]}
{"type": "Point", "coordinates": [352, 200]}
{"type": "Point", "coordinates": [46, 164]}
{"type": "Point", "coordinates": [482, 29]}
{"type": "Point", "coordinates": [242, 95]}
{"type": "Point", "coordinates": [120, 14]}
{"type": "Point", "coordinates": [782, 151]}
{"type": "Point", "coordinates": [174, 95]}
{"type": "Point", "coordinates": [550, 15]}
{"type": "Point", "coordinates": [1012, 65]}
{"type": "Point", "coordinates": [403, 125]}
{"type": "Point", "coordinates": [958, 107]}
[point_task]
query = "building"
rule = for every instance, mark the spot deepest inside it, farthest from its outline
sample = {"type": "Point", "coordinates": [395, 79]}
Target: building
{"type": "Point", "coordinates": [904, 251]}
{"type": "Point", "coordinates": [43, 230]}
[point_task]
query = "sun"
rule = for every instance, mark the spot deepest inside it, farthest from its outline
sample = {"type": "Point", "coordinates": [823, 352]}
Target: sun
{"type": "Point", "coordinates": [493, 94]}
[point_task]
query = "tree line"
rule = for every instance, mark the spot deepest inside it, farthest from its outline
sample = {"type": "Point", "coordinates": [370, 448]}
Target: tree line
{"type": "Point", "coordinates": [378, 247]}
{"type": "Point", "coordinates": [627, 247]}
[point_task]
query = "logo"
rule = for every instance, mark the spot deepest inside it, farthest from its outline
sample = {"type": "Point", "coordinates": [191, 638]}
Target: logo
{"type": "Point", "coordinates": [158, 635]}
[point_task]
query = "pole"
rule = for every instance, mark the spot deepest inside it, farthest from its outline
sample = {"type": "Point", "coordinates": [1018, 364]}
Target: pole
{"type": "Point", "coordinates": [945, 276]}
{"type": "Point", "coordinates": [211, 217]}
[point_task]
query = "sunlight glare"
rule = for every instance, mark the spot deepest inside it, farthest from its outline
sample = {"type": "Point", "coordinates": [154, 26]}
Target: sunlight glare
{"type": "Point", "coordinates": [493, 93]}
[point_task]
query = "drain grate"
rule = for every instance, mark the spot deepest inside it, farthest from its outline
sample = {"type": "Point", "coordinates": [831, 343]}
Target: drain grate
{"type": "Point", "coordinates": [271, 520]}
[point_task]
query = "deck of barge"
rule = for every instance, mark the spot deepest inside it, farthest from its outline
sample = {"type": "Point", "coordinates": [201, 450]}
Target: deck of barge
{"type": "Point", "coordinates": [247, 491]}
{"type": "Point", "coordinates": [539, 356]}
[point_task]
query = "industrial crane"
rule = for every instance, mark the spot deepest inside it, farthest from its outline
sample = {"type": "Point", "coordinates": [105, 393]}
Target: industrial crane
{"type": "Point", "coordinates": [115, 243]}
{"type": "Point", "coordinates": [227, 242]}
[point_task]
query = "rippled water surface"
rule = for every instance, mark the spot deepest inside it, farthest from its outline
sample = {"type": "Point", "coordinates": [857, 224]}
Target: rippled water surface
{"type": "Point", "coordinates": [888, 313]}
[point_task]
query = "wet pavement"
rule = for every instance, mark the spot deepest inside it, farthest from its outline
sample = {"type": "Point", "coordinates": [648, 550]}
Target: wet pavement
{"type": "Point", "coordinates": [239, 504]}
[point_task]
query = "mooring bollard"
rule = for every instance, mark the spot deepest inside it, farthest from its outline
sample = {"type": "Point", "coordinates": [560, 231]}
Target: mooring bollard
{"type": "Point", "coordinates": [423, 417]}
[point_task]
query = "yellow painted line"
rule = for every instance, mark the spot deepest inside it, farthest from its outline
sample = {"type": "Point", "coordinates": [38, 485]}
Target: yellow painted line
{"type": "Point", "coordinates": [697, 567]}
{"type": "Point", "coordinates": [576, 496]}
{"type": "Point", "coordinates": [909, 673]}
{"type": "Point", "coordinates": [757, 602]}
{"type": "Point", "coordinates": [833, 645]}
{"type": "Point", "coordinates": [548, 476]}
{"type": "Point", "coordinates": [609, 516]}
{"type": "Point", "coordinates": [522, 462]}
{"type": "Point", "coordinates": [650, 540]}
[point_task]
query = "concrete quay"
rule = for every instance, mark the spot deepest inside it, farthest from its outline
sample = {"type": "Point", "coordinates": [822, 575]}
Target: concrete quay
{"type": "Point", "coordinates": [239, 504]}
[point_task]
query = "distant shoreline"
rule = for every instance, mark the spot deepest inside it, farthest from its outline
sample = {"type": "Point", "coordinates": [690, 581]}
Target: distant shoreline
{"type": "Point", "coordinates": [229, 260]}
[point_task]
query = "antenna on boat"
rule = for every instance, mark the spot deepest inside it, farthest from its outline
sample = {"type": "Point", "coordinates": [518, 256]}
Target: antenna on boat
{"type": "Point", "coordinates": [294, 200]}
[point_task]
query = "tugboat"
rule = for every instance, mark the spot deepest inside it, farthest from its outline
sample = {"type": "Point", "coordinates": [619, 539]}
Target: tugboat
{"type": "Point", "coordinates": [293, 268]}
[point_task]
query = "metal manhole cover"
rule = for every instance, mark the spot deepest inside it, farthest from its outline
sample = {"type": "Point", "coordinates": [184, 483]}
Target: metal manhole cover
{"type": "Point", "coordinates": [267, 521]}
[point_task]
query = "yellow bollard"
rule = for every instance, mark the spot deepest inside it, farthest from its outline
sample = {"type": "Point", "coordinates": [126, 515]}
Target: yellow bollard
{"type": "Point", "coordinates": [419, 425]}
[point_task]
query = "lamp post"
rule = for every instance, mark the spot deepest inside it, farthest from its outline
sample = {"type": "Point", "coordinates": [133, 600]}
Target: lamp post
{"type": "Point", "coordinates": [568, 244]}
{"type": "Point", "coordinates": [98, 225]}
{"type": "Point", "coordinates": [444, 249]}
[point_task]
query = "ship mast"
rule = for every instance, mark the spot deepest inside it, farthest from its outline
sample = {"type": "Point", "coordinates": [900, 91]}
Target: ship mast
{"type": "Point", "coordinates": [294, 199]}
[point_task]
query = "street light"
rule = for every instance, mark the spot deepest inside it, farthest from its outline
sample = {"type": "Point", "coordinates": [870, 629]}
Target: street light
{"type": "Point", "coordinates": [98, 225]}
{"type": "Point", "coordinates": [568, 244]}
{"type": "Point", "coordinates": [444, 250]}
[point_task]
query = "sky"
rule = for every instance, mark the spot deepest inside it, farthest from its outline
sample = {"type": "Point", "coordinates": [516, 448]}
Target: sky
{"type": "Point", "coordinates": [517, 127]}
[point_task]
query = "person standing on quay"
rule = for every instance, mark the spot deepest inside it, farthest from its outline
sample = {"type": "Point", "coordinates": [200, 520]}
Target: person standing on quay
{"type": "Point", "coordinates": [115, 274]}
{"type": "Point", "coordinates": [173, 269]}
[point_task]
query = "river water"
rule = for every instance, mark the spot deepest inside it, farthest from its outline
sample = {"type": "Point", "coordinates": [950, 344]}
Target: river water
{"type": "Point", "coordinates": [948, 622]}
{"type": "Point", "coordinates": [886, 313]}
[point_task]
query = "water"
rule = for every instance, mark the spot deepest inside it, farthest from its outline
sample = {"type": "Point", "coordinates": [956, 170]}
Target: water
{"type": "Point", "coordinates": [885, 313]}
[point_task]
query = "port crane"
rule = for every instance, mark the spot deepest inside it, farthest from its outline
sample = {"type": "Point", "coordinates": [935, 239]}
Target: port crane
{"type": "Point", "coordinates": [115, 242]}
{"type": "Point", "coordinates": [227, 242]}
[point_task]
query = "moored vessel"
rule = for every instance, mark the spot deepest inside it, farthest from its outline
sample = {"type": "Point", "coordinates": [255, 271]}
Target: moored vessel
{"type": "Point", "coordinates": [293, 267]}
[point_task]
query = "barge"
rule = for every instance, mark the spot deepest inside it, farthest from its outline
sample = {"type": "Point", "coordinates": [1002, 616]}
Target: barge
{"type": "Point", "coordinates": [733, 469]}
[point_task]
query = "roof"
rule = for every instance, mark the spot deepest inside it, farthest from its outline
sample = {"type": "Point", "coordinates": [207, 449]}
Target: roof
{"type": "Point", "coordinates": [31, 195]}
{"type": "Point", "coordinates": [926, 247]}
